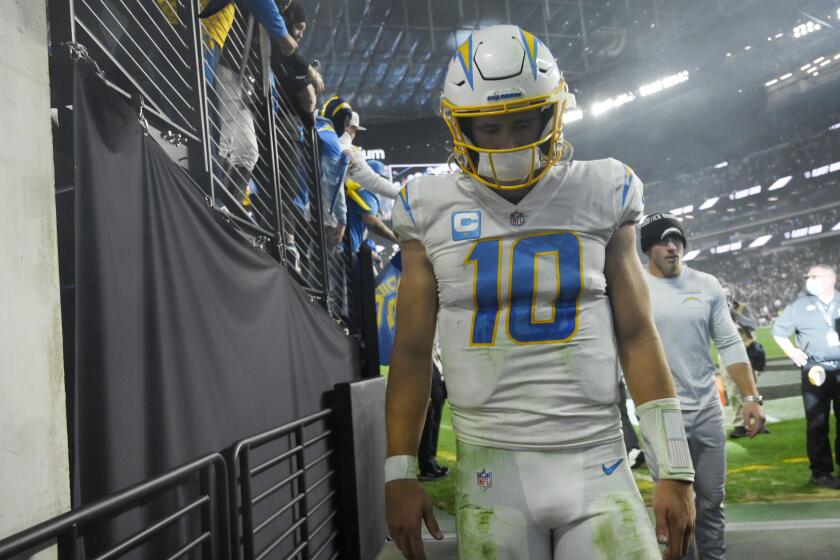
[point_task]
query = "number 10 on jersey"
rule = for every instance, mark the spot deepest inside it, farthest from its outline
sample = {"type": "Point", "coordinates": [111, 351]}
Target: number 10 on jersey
{"type": "Point", "coordinates": [523, 327]}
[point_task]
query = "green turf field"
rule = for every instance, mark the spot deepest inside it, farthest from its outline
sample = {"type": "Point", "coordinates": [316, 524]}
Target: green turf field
{"type": "Point", "coordinates": [769, 468]}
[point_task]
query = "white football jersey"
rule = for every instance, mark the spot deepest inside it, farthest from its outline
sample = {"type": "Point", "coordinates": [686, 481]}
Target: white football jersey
{"type": "Point", "coordinates": [525, 324]}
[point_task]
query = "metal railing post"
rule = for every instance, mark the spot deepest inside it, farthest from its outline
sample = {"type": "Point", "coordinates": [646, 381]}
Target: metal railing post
{"type": "Point", "coordinates": [279, 225]}
{"type": "Point", "coordinates": [199, 154]}
{"type": "Point", "coordinates": [247, 505]}
{"type": "Point", "coordinates": [322, 239]}
{"type": "Point", "coordinates": [303, 508]}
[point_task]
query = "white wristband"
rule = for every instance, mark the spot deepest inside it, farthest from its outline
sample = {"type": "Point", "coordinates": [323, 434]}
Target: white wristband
{"type": "Point", "coordinates": [662, 428]}
{"type": "Point", "coordinates": [400, 467]}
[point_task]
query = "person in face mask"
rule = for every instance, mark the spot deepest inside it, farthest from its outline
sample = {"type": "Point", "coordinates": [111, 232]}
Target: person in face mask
{"type": "Point", "coordinates": [814, 317]}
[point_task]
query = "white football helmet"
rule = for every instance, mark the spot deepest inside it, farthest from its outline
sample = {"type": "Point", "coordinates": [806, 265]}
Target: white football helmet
{"type": "Point", "coordinates": [501, 70]}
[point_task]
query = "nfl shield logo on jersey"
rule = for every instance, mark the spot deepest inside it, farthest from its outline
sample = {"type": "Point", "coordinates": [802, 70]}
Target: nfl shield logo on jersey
{"type": "Point", "coordinates": [484, 479]}
{"type": "Point", "coordinates": [517, 218]}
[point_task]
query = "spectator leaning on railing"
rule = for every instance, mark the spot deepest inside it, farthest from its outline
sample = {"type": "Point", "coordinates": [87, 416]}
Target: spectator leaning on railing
{"type": "Point", "coordinates": [270, 14]}
{"type": "Point", "coordinates": [359, 170]}
{"type": "Point", "coordinates": [295, 76]}
{"type": "Point", "coordinates": [335, 116]}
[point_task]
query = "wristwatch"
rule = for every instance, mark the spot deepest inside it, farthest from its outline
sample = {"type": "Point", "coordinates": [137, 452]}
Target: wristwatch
{"type": "Point", "coordinates": [754, 398]}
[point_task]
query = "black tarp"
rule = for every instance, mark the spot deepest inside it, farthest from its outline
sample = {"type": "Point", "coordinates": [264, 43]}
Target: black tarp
{"type": "Point", "coordinates": [187, 338]}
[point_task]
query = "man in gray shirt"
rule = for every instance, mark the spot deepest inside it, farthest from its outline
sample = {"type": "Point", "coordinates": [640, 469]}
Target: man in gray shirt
{"type": "Point", "coordinates": [690, 310]}
{"type": "Point", "coordinates": [813, 317]}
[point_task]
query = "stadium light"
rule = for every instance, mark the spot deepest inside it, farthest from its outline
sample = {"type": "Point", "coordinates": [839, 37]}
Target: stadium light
{"type": "Point", "coordinates": [822, 170]}
{"type": "Point", "coordinates": [664, 83]}
{"type": "Point", "coordinates": [836, 227]}
{"type": "Point", "coordinates": [601, 107]}
{"type": "Point", "coordinates": [709, 203]}
{"type": "Point", "coordinates": [804, 231]}
{"type": "Point", "coordinates": [803, 68]}
{"type": "Point", "coordinates": [721, 165]}
{"type": "Point", "coordinates": [684, 210]}
{"type": "Point", "coordinates": [691, 255]}
{"type": "Point", "coordinates": [726, 248]}
{"type": "Point", "coordinates": [780, 183]}
{"type": "Point", "coordinates": [804, 29]}
{"type": "Point", "coordinates": [818, 60]}
{"type": "Point", "coordinates": [772, 82]}
{"type": "Point", "coordinates": [778, 35]}
{"type": "Point", "coordinates": [744, 193]}
{"type": "Point", "coordinates": [761, 241]}
{"type": "Point", "coordinates": [572, 115]}
{"type": "Point", "coordinates": [785, 76]}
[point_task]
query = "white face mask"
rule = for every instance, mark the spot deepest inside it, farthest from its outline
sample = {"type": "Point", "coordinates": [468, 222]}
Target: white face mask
{"type": "Point", "coordinates": [813, 286]}
{"type": "Point", "coordinates": [512, 166]}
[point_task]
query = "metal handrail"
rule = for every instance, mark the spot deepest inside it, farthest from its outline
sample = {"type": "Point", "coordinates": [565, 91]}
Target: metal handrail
{"type": "Point", "coordinates": [44, 534]}
{"type": "Point", "coordinates": [241, 474]}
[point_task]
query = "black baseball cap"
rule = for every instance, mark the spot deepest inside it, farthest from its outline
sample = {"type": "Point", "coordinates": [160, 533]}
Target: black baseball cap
{"type": "Point", "coordinates": [658, 227]}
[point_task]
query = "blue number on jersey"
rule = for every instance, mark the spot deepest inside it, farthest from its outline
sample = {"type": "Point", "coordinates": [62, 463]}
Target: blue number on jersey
{"type": "Point", "coordinates": [523, 326]}
{"type": "Point", "coordinates": [487, 255]}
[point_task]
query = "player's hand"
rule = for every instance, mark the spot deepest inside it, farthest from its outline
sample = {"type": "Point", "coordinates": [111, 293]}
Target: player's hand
{"type": "Point", "coordinates": [799, 357]}
{"type": "Point", "coordinates": [406, 503]}
{"type": "Point", "coordinates": [673, 506]}
{"type": "Point", "coordinates": [754, 418]}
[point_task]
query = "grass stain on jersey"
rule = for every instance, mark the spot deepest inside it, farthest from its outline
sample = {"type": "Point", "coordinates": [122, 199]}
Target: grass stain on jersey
{"type": "Point", "coordinates": [617, 534]}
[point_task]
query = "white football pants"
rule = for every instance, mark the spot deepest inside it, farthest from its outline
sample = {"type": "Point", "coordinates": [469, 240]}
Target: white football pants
{"type": "Point", "coordinates": [578, 504]}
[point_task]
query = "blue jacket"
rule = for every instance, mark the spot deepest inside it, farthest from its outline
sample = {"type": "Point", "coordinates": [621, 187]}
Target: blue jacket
{"type": "Point", "coordinates": [333, 168]}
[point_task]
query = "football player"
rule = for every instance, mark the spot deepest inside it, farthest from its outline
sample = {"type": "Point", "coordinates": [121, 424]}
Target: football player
{"type": "Point", "coordinates": [527, 262]}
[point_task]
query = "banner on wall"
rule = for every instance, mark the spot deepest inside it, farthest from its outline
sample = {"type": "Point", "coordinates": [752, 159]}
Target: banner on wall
{"type": "Point", "coordinates": [188, 339]}
{"type": "Point", "coordinates": [387, 284]}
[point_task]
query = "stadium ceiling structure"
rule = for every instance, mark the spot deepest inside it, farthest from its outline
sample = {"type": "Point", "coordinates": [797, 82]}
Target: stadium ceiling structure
{"type": "Point", "coordinates": [388, 57]}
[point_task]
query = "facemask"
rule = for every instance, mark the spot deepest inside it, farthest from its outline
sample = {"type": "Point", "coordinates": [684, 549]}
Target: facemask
{"type": "Point", "coordinates": [512, 166]}
{"type": "Point", "coordinates": [813, 286]}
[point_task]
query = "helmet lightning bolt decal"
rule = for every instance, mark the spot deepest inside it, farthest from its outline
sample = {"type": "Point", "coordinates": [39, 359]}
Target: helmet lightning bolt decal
{"type": "Point", "coordinates": [531, 43]}
{"type": "Point", "coordinates": [464, 55]}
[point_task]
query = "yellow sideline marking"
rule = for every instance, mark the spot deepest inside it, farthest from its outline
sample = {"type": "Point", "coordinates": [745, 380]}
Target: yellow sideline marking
{"type": "Point", "coordinates": [792, 460]}
{"type": "Point", "coordinates": [749, 468]}
{"type": "Point", "coordinates": [645, 485]}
